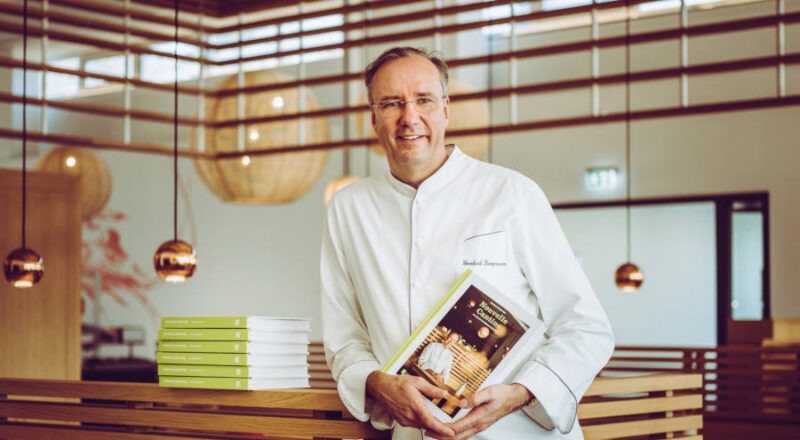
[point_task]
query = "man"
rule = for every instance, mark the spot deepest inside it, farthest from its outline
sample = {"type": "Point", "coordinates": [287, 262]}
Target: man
{"type": "Point", "coordinates": [437, 358]}
{"type": "Point", "coordinates": [393, 244]}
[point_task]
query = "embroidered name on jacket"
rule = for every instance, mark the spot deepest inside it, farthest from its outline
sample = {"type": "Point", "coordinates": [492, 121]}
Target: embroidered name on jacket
{"type": "Point", "coordinates": [483, 263]}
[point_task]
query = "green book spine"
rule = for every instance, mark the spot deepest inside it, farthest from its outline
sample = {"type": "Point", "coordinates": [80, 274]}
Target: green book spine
{"type": "Point", "coordinates": [216, 383]}
{"type": "Point", "coordinates": [203, 358]}
{"type": "Point", "coordinates": [231, 359]}
{"type": "Point", "coordinates": [203, 370]}
{"type": "Point", "coordinates": [231, 347]}
{"type": "Point", "coordinates": [215, 334]}
{"type": "Point", "coordinates": [231, 383]}
{"type": "Point", "coordinates": [204, 322]}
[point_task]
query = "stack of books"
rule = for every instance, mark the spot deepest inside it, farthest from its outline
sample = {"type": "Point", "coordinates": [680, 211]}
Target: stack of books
{"type": "Point", "coordinates": [233, 352]}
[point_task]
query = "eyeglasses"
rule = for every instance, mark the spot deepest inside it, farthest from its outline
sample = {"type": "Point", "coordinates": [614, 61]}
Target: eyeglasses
{"type": "Point", "coordinates": [394, 107]}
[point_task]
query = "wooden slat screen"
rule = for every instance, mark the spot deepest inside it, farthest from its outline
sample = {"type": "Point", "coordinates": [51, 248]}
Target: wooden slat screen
{"type": "Point", "coordinates": [744, 382]}
{"type": "Point", "coordinates": [93, 29]}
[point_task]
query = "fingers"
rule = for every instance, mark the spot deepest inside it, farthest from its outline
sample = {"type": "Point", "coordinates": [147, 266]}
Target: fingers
{"type": "Point", "coordinates": [429, 389]}
{"type": "Point", "coordinates": [477, 399]}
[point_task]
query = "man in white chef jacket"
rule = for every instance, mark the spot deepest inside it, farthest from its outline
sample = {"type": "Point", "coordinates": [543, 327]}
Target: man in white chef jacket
{"type": "Point", "coordinates": [394, 243]}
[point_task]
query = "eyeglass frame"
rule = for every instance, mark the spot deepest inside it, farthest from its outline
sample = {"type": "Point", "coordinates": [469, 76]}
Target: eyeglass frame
{"type": "Point", "coordinates": [403, 102]}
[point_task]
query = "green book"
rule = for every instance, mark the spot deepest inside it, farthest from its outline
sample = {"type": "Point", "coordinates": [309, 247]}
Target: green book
{"type": "Point", "coordinates": [240, 359]}
{"type": "Point", "coordinates": [231, 383]}
{"type": "Point", "coordinates": [232, 347]}
{"type": "Point", "coordinates": [225, 334]}
{"type": "Point", "coordinates": [266, 323]}
{"type": "Point", "coordinates": [273, 372]}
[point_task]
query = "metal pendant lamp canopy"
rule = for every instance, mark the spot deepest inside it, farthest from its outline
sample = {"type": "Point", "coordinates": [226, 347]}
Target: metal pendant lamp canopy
{"type": "Point", "coordinates": [628, 276]}
{"type": "Point", "coordinates": [175, 260]}
{"type": "Point", "coordinates": [24, 267]}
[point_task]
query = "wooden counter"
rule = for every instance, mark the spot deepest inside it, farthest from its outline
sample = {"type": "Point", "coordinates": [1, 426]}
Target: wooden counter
{"type": "Point", "coordinates": [664, 404]}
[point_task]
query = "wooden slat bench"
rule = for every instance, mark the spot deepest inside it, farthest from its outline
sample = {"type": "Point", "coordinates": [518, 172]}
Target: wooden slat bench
{"type": "Point", "coordinates": [632, 407]}
{"type": "Point", "coordinates": [135, 411]}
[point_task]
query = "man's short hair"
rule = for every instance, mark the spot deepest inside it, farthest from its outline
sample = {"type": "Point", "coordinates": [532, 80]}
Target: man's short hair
{"type": "Point", "coordinates": [405, 52]}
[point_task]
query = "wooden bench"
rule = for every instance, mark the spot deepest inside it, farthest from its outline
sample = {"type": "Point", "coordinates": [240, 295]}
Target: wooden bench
{"type": "Point", "coordinates": [30, 409]}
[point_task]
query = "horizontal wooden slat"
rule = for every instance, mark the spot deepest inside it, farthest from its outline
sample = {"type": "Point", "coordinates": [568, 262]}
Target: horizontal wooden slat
{"type": "Point", "coordinates": [323, 400]}
{"type": "Point", "coordinates": [61, 433]}
{"type": "Point", "coordinates": [655, 382]}
{"type": "Point", "coordinates": [175, 419]}
{"type": "Point", "coordinates": [591, 410]}
{"type": "Point", "coordinates": [642, 427]}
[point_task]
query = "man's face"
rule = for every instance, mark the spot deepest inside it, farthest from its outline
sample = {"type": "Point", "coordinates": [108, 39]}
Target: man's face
{"type": "Point", "coordinates": [412, 138]}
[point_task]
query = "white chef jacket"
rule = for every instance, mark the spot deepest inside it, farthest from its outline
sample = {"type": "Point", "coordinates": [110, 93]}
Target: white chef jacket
{"type": "Point", "coordinates": [390, 252]}
{"type": "Point", "coordinates": [437, 358]}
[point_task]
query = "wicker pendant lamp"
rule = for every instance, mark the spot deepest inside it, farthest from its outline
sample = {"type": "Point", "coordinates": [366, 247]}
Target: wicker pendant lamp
{"type": "Point", "coordinates": [93, 173]}
{"type": "Point", "coordinates": [270, 178]}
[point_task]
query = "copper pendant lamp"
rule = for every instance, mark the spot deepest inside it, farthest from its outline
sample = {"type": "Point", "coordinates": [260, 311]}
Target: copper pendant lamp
{"type": "Point", "coordinates": [628, 276]}
{"type": "Point", "coordinates": [175, 260]}
{"type": "Point", "coordinates": [24, 267]}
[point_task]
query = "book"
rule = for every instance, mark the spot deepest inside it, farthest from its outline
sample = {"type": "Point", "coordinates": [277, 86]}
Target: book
{"type": "Point", "coordinates": [232, 347]}
{"type": "Point", "coordinates": [225, 334]}
{"type": "Point", "coordinates": [271, 372]}
{"type": "Point", "coordinates": [474, 337]}
{"type": "Point", "coordinates": [234, 359]}
{"type": "Point", "coordinates": [265, 323]}
{"type": "Point", "coordinates": [231, 383]}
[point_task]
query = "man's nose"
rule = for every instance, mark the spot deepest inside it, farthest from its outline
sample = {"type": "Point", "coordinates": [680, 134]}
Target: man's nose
{"type": "Point", "coordinates": [409, 111]}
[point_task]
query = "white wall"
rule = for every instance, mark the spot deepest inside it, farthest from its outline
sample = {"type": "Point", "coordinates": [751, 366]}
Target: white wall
{"type": "Point", "coordinates": [675, 246]}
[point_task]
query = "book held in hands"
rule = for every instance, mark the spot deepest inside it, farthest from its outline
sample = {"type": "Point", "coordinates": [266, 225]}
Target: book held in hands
{"type": "Point", "coordinates": [474, 337]}
{"type": "Point", "coordinates": [233, 352]}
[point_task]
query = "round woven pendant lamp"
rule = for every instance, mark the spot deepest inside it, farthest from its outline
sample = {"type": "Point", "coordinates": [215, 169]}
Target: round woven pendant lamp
{"type": "Point", "coordinates": [464, 114]}
{"type": "Point", "coordinates": [93, 172]}
{"type": "Point", "coordinates": [270, 178]}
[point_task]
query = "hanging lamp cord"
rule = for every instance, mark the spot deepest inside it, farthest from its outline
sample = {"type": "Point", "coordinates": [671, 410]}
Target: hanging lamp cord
{"type": "Point", "coordinates": [24, 114]}
{"type": "Point", "coordinates": [175, 136]}
{"type": "Point", "coordinates": [628, 121]}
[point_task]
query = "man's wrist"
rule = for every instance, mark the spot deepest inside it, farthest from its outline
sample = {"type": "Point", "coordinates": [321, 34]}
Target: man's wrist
{"type": "Point", "coordinates": [528, 396]}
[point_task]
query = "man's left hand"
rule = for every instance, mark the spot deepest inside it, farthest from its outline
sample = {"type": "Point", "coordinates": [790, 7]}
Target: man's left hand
{"type": "Point", "coordinates": [488, 406]}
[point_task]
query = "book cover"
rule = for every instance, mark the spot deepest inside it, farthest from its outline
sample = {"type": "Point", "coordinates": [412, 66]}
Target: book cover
{"type": "Point", "coordinates": [474, 337]}
{"type": "Point", "coordinates": [265, 323]}
{"type": "Point", "coordinates": [271, 372]}
{"type": "Point", "coordinates": [232, 347]}
{"type": "Point", "coordinates": [231, 383]}
{"type": "Point", "coordinates": [240, 359]}
{"type": "Point", "coordinates": [226, 334]}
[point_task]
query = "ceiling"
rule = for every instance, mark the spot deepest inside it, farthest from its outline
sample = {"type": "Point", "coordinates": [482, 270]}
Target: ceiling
{"type": "Point", "coordinates": [223, 8]}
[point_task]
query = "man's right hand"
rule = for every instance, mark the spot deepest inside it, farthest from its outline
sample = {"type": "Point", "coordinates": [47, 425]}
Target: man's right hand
{"type": "Point", "coordinates": [402, 396]}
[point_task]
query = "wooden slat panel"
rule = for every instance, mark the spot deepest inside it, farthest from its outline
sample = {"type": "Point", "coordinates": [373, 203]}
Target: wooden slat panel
{"type": "Point", "coordinates": [57, 433]}
{"type": "Point", "coordinates": [639, 406]}
{"type": "Point", "coordinates": [40, 326]}
{"type": "Point", "coordinates": [642, 427]}
{"type": "Point", "coordinates": [656, 382]}
{"type": "Point", "coordinates": [175, 419]}
{"type": "Point", "coordinates": [322, 400]}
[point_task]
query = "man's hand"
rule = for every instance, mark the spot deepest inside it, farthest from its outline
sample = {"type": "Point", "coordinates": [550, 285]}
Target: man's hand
{"type": "Point", "coordinates": [488, 406]}
{"type": "Point", "coordinates": [402, 396]}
